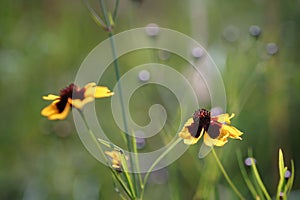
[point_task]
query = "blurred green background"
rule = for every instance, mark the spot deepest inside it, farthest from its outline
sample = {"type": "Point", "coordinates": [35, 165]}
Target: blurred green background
{"type": "Point", "coordinates": [42, 44]}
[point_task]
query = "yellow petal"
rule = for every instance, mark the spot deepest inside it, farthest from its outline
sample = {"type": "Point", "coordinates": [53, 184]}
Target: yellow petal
{"type": "Point", "coordinates": [116, 166]}
{"type": "Point", "coordinates": [225, 118]}
{"type": "Point", "coordinates": [89, 85]}
{"type": "Point", "coordinates": [114, 157]}
{"type": "Point", "coordinates": [50, 110]}
{"type": "Point", "coordinates": [192, 140]}
{"type": "Point", "coordinates": [221, 142]}
{"type": "Point", "coordinates": [51, 97]}
{"type": "Point", "coordinates": [77, 103]}
{"type": "Point", "coordinates": [186, 135]}
{"type": "Point", "coordinates": [96, 91]}
{"type": "Point", "coordinates": [102, 92]}
{"type": "Point", "coordinates": [209, 141]}
{"type": "Point", "coordinates": [231, 131]}
{"type": "Point", "coordinates": [61, 115]}
{"type": "Point", "coordinates": [214, 142]}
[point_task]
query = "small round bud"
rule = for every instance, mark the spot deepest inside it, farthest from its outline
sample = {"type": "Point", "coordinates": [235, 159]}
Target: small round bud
{"type": "Point", "coordinates": [152, 29]}
{"type": "Point", "coordinates": [140, 143]}
{"type": "Point", "coordinates": [197, 52]}
{"type": "Point", "coordinates": [248, 161]}
{"type": "Point", "coordinates": [140, 139]}
{"type": "Point", "coordinates": [255, 31]}
{"type": "Point", "coordinates": [287, 174]}
{"type": "Point", "coordinates": [272, 48]}
{"type": "Point", "coordinates": [231, 33]}
{"type": "Point", "coordinates": [144, 75]}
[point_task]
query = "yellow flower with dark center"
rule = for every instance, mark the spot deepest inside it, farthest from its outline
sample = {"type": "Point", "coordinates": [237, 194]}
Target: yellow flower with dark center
{"type": "Point", "coordinates": [73, 96]}
{"type": "Point", "coordinates": [115, 159]}
{"type": "Point", "coordinates": [216, 130]}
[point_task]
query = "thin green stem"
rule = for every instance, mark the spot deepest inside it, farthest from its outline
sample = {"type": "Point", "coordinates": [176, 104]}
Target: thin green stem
{"type": "Point", "coordinates": [116, 9]}
{"type": "Point", "coordinates": [226, 175]}
{"type": "Point", "coordinates": [117, 189]}
{"type": "Point", "coordinates": [117, 73]}
{"type": "Point", "coordinates": [156, 162]}
{"type": "Point", "coordinates": [92, 135]}
{"type": "Point", "coordinates": [128, 191]}
{"type": "Point", "coordinates": [94, 15]}
{"type": "Point", "coordinates": [137, 164]}
{"type": "Point", "coordinates": [245, 176]}
{"type": "Point", "coordinates": [122, 183]}
{"type": "Point", "coordinates": [260, 182]}
{"type": "Point", "coordinates": [291, 179]}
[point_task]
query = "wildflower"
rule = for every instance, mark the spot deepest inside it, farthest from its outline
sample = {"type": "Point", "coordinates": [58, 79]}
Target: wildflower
{"type": "Point", "coordinates": [115, 159]}
{"type": "Point", "coordinates": [73, 96]}
{"type": "Point", "coordinates": [255, 31]}
{"type": "Point", "coordinates": [152, 29]}
{"type": "Point", "coordinates": [272, 48]}
{"type": "Point", "coordinates": [248, 161]}
{"type": "Point", "coordinates": [197, 52]}
{"type": "Point", "coordinates": [216, 129]}
{"type": "Point", "coordinates": [287, 174]}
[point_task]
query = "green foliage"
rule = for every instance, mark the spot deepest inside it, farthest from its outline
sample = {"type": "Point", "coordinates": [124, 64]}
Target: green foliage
{"type": "Point", "coordinates": [42, 44]}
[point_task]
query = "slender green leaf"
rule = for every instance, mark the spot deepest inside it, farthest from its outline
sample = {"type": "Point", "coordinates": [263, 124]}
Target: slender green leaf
{"type": "Point", "coordinates": [281, 164]}
{"type": "Point", "coordinates": [280, 183]}
{"type": "Point", "coordinates": [290, 181]}
{"type": "Point", "coordinates": [94, 15]}
{"type": "Point", "coordinates": [117, 189]}
{"type": "Point", "coordinates": [137, 164]}
{"type": "Point", "coordinates": [127, 175]}
{"type": "Point", "coordinates": [226, 175]}
{"type": "Point", "coordinates": [121, 182]}
{"type": "Point", "coordinates": [259, 180]}
{"type": "Point", "coordinates": [116, 10]}
{"type": "Point", "coordinates": [110, 145]}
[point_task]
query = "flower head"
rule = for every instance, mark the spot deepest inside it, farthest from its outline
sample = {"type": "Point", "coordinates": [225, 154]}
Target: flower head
{"type": "Point", "coordinates": [115, 159]}
{"type": "Point", "coordinates": [73, 96]}
{"type": "Point", "coordinates": [216, 129]}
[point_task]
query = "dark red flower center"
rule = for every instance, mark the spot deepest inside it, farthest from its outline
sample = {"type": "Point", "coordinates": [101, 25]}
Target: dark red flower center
{"type": "Point", "coordinates": [201, 121]}
{"type": "Point", "coordinates": [72, 91]}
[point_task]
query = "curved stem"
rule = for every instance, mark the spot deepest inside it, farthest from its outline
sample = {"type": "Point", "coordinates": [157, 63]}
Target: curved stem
{"type": "Point", "coordinates": [129, 193]}
{"type": "Point", "coordinates": [260, 182]}
{"type": "Point", "coordinates": [92, 135]}
{"type": "Point", "coordinates": [226, 175]}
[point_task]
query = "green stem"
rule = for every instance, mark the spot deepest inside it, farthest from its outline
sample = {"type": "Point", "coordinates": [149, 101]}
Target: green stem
{"type": "Point", "coordinates": [245, 176]}
{"type": "Point", "coordinates": [137, 165]}
{"type": "Point", "coordinates": [260, 183]}
{"type": "Point", "coordinates": [116, 10]}
{"type": "Point", "coordinates": [226, 176]}
{"type": "Point", "coordinates": [156, 162]}
{"type": "Point", "coordinates": [117, 73]}
{"type": "Point", "coordinates": [122, 183]}
{"type": "Point", "coordinates": [92, 135]}
{"type": "Point", "coordinates": [94, 15]}
{"type": "Point", "coordinates": [129, 193]}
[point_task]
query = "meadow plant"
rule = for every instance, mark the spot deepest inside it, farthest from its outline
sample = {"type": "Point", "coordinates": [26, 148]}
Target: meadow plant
{"type": "Point", "coordinates": [215, 130]}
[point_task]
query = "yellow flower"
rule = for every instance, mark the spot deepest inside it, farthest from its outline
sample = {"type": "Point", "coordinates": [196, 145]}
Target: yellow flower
{"type": "Point", "coordinates": [216, 130]}
{"type": "Point", "coordinates": [115, 159]}
{"type": "Point", "coordinates": [73, 96]}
